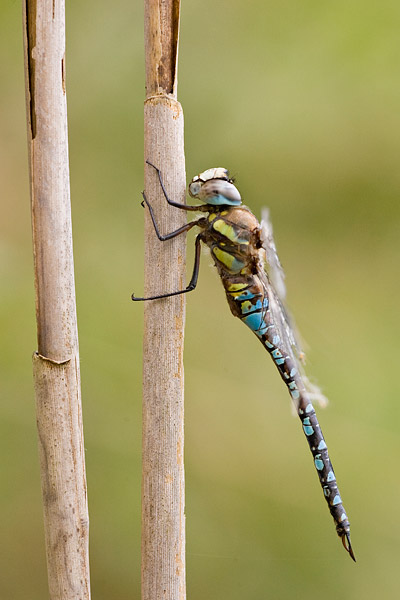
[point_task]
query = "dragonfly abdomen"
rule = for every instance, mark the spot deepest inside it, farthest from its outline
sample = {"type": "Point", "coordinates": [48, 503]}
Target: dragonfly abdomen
{"type": "Point", "coordinates": [323, 465]}
{"type": "Point", "coordinates": [248, 300]}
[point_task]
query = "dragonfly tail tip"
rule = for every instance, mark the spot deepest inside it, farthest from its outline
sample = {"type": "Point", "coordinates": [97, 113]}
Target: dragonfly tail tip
{"type": "Point", "coordinates": [347, 545]}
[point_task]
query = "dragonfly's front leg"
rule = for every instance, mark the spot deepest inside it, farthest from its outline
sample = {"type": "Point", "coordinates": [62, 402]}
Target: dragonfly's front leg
{"type": "Point", "coordinates": [201, 208]}
{"type": "Point", "coordinates": [173, 234]}
{"type": "Point", "coordinates": [195, 274]}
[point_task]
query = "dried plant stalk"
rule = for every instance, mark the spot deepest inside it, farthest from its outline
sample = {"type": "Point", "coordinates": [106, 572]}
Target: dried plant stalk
{"type": "Point", "coordinates": [163, 493]}
{"type": "Point", "coordinates": [56, 364]}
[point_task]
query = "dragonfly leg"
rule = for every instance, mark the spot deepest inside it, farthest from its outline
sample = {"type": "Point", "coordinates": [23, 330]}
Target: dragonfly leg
{"type": "Point", "coordinates": [193, 281]}
{"type": "Point", "coordinates": [202, 208]}
{"type": "Point", "coordinates": [173, 234]}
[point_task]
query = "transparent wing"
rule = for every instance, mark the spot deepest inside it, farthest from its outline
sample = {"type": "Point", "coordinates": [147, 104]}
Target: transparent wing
{"type": "Point", "coordinates": [273, 277]}
{"type": "Point", "coordinates": [273, 267]}
{"type": "Point", "coordinates": [275, 282]}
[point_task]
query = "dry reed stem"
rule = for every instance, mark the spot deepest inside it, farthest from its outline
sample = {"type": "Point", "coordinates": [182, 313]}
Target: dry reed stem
{"type": "Point", "coordinates": [56, 364]}
{"type": "Point", "coordinates": [163, 493]}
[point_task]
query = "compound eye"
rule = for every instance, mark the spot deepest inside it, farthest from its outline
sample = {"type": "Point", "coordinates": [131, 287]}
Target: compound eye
{"type": "Point", "coordinates": [194, 188]}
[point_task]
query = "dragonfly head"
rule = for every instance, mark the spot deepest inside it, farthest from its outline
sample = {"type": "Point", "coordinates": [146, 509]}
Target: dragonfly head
{"type": "Point", "coordinates": [214, 187]}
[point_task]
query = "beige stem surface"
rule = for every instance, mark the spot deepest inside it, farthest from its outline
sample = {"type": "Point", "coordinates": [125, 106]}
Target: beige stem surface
{"type": "Point", "coordinates": [163, 491]}
{"type": "Point", "coordinates": [56, 364]}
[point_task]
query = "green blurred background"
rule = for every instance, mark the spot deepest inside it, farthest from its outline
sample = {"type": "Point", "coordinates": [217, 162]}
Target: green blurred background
{"type": "Point", "coordinates": [301, 102]}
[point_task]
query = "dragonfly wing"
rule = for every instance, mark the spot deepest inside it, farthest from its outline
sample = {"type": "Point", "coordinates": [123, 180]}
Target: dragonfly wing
{"type": "Point", "coordinates": [273, 266]}
{"type": "Point", "coordinates": [272, 277]}
{"type": "Point", "coordinates": [276, 283]}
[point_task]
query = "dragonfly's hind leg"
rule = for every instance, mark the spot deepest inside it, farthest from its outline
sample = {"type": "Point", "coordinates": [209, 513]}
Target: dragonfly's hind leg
{"type": "Point", "coordinates": [193, 280]}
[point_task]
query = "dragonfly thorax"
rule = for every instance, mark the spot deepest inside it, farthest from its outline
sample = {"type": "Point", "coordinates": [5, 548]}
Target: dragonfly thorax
{"type": "Point", "coordinates": [214, 187]}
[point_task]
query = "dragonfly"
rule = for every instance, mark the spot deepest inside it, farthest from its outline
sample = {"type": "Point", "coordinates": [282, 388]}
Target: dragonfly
{"type": "Point", "coordinates": [247, 262]}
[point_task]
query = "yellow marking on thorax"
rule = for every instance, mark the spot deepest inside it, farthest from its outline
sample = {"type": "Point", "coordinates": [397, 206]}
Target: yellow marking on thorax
{"type": "Point", "coordinates": [226, 259]}
{"type": "Point", "coordinates": [212, 217]}
{"type": "Point", "coordinates": [227, 231]}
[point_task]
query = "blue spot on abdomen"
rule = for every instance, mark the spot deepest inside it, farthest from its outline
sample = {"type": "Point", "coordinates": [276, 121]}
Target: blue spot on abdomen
{"type": "Point", "coordinates": [308, 430]}
{"type": "Point", "coordinates": [256, 322]}
{"type": "Point", "coordinates": [319, 464]}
